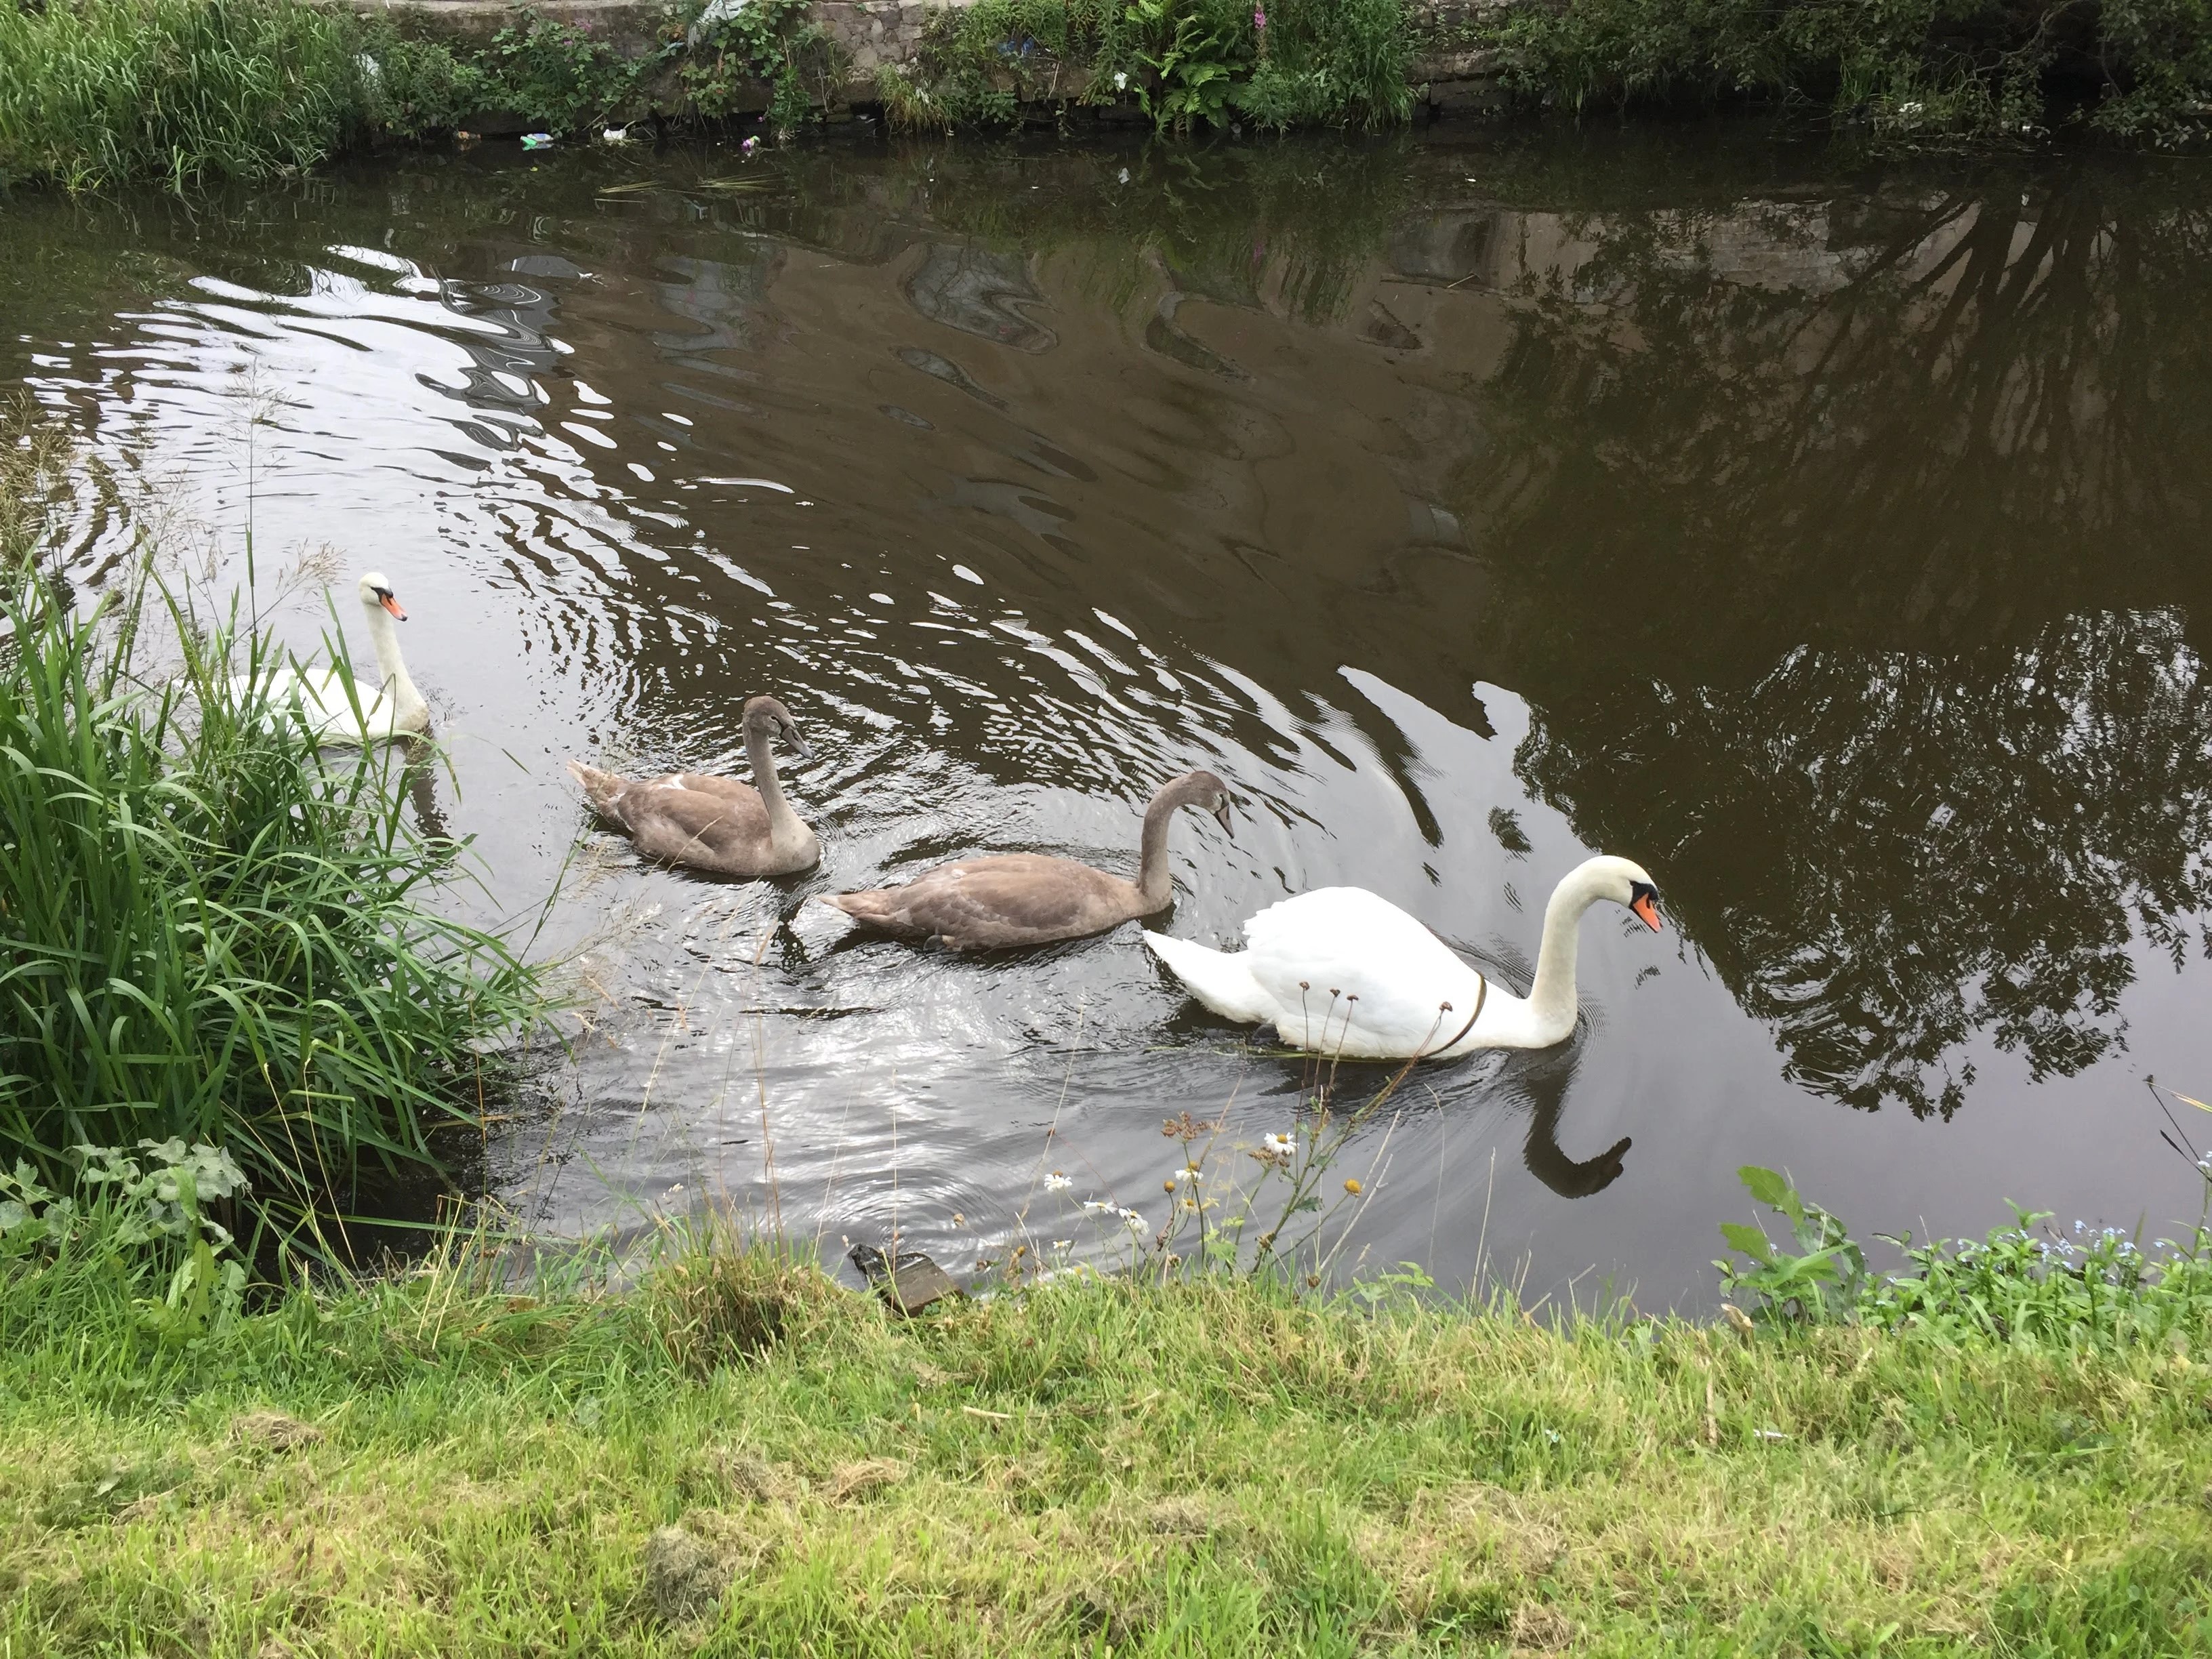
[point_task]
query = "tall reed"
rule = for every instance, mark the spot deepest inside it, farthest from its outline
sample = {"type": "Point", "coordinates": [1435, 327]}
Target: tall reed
{"type": "Point", "coordinates": [209, 927]}
{"type": "Point", "coordinates": [94, 92]}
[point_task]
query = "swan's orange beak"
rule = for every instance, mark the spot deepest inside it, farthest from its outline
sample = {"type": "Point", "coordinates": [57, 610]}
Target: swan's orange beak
{"type": "Point", "coordinates": [1647, 910]}
{"type": "Point", "coordinates": [392, 604]}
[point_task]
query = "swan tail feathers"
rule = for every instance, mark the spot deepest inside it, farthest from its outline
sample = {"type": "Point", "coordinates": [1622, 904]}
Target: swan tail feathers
{"type": "Point", "coordinates": [1220, 979]}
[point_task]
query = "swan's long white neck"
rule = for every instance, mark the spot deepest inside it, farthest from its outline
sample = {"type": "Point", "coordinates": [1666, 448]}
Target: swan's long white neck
{"type": "Point", "coordinates": [1552, 998]}
{"type": "Point", "coordinates": [785, 831]}
{"type": "Point", "coordinates": [391, 667]}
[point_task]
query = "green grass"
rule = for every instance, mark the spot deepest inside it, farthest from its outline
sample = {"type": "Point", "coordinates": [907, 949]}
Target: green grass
{"type": "Point", "coordinates": [209, 929]}
{"type": "Point", "coordinates": [98, 93]}
{"type": "Point", "coordinates": [1204, 1468]}
{"type": "Point", "coordinates": [103, 90]}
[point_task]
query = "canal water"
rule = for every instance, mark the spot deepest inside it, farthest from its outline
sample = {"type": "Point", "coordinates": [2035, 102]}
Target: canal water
{"type": "Point", "coordinates": [1831, 538]}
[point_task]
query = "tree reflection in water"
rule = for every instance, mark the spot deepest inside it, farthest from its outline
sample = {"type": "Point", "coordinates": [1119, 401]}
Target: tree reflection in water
{"type": "Point", "coordinates": [1907, 775]}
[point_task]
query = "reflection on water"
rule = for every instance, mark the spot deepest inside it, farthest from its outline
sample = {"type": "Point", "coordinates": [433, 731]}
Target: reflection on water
{"type": "Point", "coordinates": [1832, 548]}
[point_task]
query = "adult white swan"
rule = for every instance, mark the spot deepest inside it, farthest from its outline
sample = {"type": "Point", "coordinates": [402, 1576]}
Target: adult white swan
{"type": "Point", "coordinates": [1343, 971]}
{"type": "Point", "coordinates": [393, 709]}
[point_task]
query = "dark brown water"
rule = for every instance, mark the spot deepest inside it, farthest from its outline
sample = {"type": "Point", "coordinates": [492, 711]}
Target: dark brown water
{"type": "Point", "coordinates": [1833, 543]}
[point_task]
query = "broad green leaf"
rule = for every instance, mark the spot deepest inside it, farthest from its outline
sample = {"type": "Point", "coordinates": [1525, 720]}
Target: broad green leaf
{"type": "Point", "coordinates": [1765, 1185]}
{"type": "Point", "coordinates": [1749, 1240]}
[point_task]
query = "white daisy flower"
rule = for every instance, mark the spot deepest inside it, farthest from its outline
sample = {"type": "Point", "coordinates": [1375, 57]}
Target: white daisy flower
{"type": "Point", "coordinates": [1280, 1145]}
{"type": "Point", "coordinates": [1057, 1182]}
{"type": "Point", "coordinates": [1136, 1222]}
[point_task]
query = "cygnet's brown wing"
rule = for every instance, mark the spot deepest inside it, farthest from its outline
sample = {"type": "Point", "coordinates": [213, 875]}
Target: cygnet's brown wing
{"type": "Point", "coordinates": [729, 788]}
{"type": "Point", "coordinates": [1022, 898]}
{"type": "Point", "coordinates": [712, 824]}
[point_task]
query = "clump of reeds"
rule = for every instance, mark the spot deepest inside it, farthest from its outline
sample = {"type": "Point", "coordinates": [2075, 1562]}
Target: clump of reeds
{"type": "Point", "coordinates": [96, 92]}
{"type": "Point", "coordinates": [101, 90]}
{"type": "Point", "coordinates": [209, 928]}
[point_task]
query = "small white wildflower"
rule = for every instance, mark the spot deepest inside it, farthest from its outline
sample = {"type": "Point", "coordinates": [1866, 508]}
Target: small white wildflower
{"type": "Point", "coordinates": [1280, 1145]}
{"type": "Point", "coordinates": [1057, 1182]}
{"type": "Point", "coordinates": [1063, 1243]}
{"type": "Point", "coordinates": [1097, 1206]}
{"type": "Point", "coordinates": [1136, 1223]}
{"type": "Point", "coordinates": [1187, 1173]}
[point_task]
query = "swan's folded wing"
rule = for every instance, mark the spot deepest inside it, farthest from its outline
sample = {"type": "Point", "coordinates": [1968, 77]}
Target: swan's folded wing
{"type": "Point", "coordinates": [706, 783]}
{"type": "Point", "coordinates": [1355, 973]}
{"type": "Point", "coordinates": [683, 824]}
{"type": "Point", "coordinates": [1025, 893]}
{"type": "Point", "coordinates": [1220, 979]}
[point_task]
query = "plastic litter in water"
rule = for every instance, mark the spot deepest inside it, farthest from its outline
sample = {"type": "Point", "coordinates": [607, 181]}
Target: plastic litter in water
{"type": "Point", "coordinates": [615, 135]}
{"type": "Point", "coordinates": [537, 141]}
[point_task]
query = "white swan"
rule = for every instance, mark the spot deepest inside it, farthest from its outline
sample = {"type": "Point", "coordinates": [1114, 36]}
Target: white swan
{"type": "Point", "coordinates": [1344, 971]}
{"type": "Point", "coordinates": [394, 709]}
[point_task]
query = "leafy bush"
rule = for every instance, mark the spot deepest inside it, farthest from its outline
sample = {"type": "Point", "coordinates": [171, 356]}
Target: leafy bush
{"type": "Point", "coordinates": [1821, 1281]}
{"type": "Point", "coordinates": [1915, 69]}
{"type": "Point", "coordinates": [774, 41]}
{"type": "Point", "coordinates": [142, 1213]}
{"type": "Point", "coordinates": [556, 74]}
{"type": "Point", "coordinates": [1187, 63]}
{"type": "Point", "coordinates": [2097, 1289]}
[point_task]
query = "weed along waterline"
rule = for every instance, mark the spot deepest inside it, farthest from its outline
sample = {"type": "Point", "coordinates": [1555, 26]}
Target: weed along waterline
{"type": "Point", "coordinates": [187, 92]}
{"type": "Point", "coordinates": [1467, 506]}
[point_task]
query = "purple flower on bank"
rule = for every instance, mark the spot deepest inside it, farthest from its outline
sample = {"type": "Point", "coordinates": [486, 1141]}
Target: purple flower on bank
{"type": "Point", "coordinates": [1259, 19]}
{"type": "Point", "coordinates": [747, 148]}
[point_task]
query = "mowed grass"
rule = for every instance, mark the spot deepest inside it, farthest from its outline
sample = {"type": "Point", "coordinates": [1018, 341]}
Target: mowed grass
{"type": "Point", "coordinates": [431, 1466]}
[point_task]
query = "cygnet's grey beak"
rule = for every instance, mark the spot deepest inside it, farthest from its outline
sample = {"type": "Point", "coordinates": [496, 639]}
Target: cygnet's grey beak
{"type": "Point", "coordinates": [797, 744]}
{"type": "Point", "coordinates": [1221, 811]}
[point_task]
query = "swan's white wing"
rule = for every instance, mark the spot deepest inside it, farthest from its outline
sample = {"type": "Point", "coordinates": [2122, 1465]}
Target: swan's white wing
{"type": "Point", "coordinates": [1356, 976]}
{"type": "Point", "coordinates": [1221, 979]}
{"type": "Point", "coordinates": [320, 696]}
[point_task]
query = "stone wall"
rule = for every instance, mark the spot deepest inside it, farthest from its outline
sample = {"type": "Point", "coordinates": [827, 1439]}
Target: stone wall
{"type": "Point", "coordinates": [876, 32]}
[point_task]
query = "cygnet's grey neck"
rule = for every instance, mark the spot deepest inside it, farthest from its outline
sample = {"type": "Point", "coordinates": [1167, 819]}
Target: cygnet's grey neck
{"type": "Point", "coordinates": [784, 828]}
{"type": "Point", "coordinates": [1154, 885]}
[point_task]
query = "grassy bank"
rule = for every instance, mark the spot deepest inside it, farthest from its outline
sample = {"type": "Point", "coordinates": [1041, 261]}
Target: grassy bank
{"type": "Point", "coordinates": [434, 1466]}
